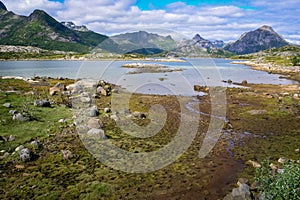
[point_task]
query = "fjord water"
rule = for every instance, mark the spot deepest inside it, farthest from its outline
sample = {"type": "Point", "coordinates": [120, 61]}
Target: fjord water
{"type": "Point", "coordinates": [200, 71]}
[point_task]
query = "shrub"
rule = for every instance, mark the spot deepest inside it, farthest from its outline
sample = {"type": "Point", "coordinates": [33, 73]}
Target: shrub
{"type": "Point", "coordinates": [285, 186]}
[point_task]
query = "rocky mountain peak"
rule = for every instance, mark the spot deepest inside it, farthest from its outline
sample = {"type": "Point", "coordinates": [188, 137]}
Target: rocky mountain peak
{"type": "Point", "coordinates": [197, 37]}
{"type": "Point", "coordinates": [266, 28]}
{"type": "Point", "coordinates": [73, 26]}
{"type": "Point", "coordinates": [2, 6]}
{"type": "Point", "coordinates": [260, 39]}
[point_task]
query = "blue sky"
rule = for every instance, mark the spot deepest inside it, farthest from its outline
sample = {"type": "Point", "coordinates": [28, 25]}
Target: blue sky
{"type": "Point", "coordinates": [212, 19]}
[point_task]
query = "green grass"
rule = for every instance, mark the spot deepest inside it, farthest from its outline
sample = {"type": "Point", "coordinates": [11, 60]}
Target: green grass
{"type": "Point", "coordinates": [281, 186]}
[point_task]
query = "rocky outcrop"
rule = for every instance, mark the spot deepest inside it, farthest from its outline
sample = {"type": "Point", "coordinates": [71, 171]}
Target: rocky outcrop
{"type": "Point", "coordinates": [72, 26]}
{"type": "Point", "coordinates": [261, 39]}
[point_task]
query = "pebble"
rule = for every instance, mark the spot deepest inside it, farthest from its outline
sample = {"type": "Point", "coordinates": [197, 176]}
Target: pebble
{"type": "Point", "coordinates": [254, 164]}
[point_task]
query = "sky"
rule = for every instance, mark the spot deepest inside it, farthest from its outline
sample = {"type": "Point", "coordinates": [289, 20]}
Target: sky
{"type": "Point", "coordinates": [213, 19]}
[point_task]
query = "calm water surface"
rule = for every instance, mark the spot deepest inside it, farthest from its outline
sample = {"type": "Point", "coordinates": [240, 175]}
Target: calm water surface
{"type": "Point", "coordinates": [199, 71]}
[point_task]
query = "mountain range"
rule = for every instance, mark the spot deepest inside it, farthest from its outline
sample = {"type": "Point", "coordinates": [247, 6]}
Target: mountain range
{"type": "Point", "coordinates": [41, 30]}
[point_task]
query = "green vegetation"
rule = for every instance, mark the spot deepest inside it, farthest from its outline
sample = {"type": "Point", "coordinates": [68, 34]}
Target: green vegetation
{"type": "Point", "coordinates": [295, 61]}
{"type": "Point", "coordinates": [285, 185]}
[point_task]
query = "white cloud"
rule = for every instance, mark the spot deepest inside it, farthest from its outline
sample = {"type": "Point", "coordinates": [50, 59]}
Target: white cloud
{"type": "Point", "coordinates": [225, 22]}
{"type": "Point", "coordinates": [25, 7]}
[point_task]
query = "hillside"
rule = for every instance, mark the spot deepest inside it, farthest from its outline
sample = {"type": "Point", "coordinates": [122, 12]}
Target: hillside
{"type": "Point", "coordinates": [43, 31]}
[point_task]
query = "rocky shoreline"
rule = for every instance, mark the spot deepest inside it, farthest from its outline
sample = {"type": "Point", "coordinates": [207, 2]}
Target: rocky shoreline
{"type": "Point", "coordinates": [290, 72]}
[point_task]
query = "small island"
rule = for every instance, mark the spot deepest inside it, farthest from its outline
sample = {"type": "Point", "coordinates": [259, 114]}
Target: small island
{"type": "Point", "coordinates": [149, 68]}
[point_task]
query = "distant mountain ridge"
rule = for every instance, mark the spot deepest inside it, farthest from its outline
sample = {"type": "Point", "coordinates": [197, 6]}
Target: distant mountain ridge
{"type": "Point", "coordinates": [254, 41]}
{"type": "Point", "coordinates": [142, 40]}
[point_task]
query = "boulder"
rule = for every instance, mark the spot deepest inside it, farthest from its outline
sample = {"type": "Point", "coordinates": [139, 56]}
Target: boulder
{"type": "Point", "coordinates": [93, 112]}
{"type": "Point", "coordinates": [241, 193]}
{"type": "Point", "coordinates": [97, 133]}
{"type": "Point", "coordinates": [95, 123]}
{"type": "Point", "coordinates": [25, 155]}
{"type": "Point", "coordinates": [42, 103]}
{"type": "Point", "coordinates": [20, 117]}
{"type": "Point", "coordinates": [7, 105]}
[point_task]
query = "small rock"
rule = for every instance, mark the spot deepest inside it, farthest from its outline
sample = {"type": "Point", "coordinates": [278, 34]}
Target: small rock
{"type": "Point", "coordinates": [25, 155]}
{"type": "Point", "coordinates": [241, 193]}
{"type": "Point", "coordinates": [101, 91]}
{"type": "Point", "coordinates": [242, 181]}
{"type": "Point", "coordinates": [285, 94]}
{"type": "Point", "coordinates": [257, 112]}
{"type": "Point", "coordinates": [282, 160]}
{"type": "Point", "coordinates": [19, 148]}
{"type": "Point", "coordinates": [229, 81]}
{"type": "Point", "coordinates": [20, 117]}
{"type": "Point", "coordinates": [11, 138]}
{"type": "Point", "coordinates": [42, 103]}
{"type": "Point", "coordinates": [2, 151]}
{"type": "Point", "coordinates": [139, 115]}
{"type": "Point", "coordinates": [115, 117]}
{"type": "Point", "coordinates": [297, 150]}
{"type": "Point", "coordinates": [85, 99]}
{"type": "Point", "coordinates": [296, 96]}
{"type": "Point", "coordinates": [107, 110]}
{"type": "Point", "coordinates": [93, 112]}
{"type": "Point", "coordinates": [244, 82]}
{"type": "Point", "coordinates": [280, 171]}
{"type": "Point", "coordinates": [13, 112]}
{"type": "Point", "coordinates": [273, 166]}
{"type": "Point", "coordinates": [5, 155]}
{"type": "Point", "coordinates": [94, 123]}
{"type": "Point", "coordinates": [20, 167]}
{"type": "Point", "coordinates": [254, 164]}
{"type": "Point", "coordinates": [97, 133]}
{"type": "Point", "coordinates": [58, 87]}
{"type": "Point", "coordinates": [7, 105]}
{"type": "Point", "coordinates": [35, 145]}
{"type": "Point", "coordinates": [62, 121]}
{"type": "Point", "coordinates": [67, 155]}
